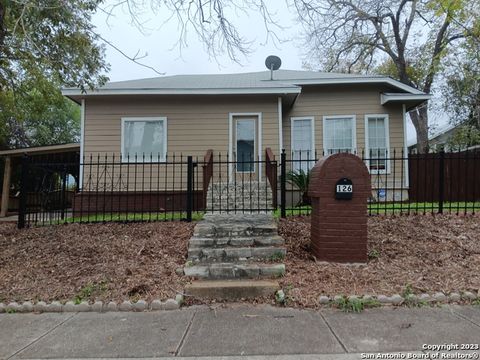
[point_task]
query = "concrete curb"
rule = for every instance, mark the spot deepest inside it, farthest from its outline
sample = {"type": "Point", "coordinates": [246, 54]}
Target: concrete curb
{"type": "Point", "coordinates": [97, 306]}
{"type": "Point", "coordinates": [408, 300]}
{"type": "Point", "coordinates": [175, 304]}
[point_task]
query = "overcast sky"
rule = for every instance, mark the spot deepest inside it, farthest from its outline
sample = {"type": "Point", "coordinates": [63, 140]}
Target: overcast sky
{"type": "Point", "coordinates": [159, 42]}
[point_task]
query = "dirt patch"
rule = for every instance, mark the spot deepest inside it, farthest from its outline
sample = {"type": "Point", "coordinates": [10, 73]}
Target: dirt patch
{"type": "Point", "coordinates": [104, 262]}
{"type": "Point", "coordinates": [427, 253]}
{"type": "Point", "coordinates": [133, 261]}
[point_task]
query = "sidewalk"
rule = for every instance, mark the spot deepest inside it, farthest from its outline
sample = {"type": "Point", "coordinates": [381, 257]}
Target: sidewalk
{"type": "Point", "coordinates": [237, 330]}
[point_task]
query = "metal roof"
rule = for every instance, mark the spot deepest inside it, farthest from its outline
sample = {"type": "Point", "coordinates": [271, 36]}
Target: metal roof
{"type": "Point", "coordinates": [284, 82]}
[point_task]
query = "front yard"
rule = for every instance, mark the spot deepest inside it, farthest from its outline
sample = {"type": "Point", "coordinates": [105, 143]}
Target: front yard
{"type": "Point", "coordinates": [97, 261]}
{"type": "Point", "coordinates": [422, 253]}
{"type": "Point", "coordinates": [113, 261]}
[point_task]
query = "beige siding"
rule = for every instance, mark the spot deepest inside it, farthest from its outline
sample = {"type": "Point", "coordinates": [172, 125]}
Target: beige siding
{"type": "Point", "coordinates": [195, 124]}
{"type": "Point", "coordinates": [359, 101]}
{"type": "Point", "coordinates": [198, 123]}
{"type": "Point", "coordinates": [349, 100]}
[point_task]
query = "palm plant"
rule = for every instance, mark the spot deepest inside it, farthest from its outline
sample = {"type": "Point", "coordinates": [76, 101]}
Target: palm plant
{"type": "Point", "coordinates": [300, 179]}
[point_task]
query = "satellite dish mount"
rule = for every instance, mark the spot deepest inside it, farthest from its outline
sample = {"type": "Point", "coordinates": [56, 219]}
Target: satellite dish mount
{"type": "Point", "coordinates": [272, 63]}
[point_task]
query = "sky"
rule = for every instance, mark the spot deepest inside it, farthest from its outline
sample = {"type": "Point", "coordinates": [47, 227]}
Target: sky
{"type": "Point", "coordinates": [157, 41]}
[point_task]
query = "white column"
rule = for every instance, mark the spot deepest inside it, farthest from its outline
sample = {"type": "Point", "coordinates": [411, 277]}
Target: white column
{"type": "Point", "coordinates": [405, 149]}
{"type": "Point", "coordinates": [82, 141]}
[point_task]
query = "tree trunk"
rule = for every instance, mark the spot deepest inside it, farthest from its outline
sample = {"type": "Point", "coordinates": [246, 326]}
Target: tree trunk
{"type": "Point", "coordinates": [2, 27]}
{"type": "Point", "coordinates": [419, 118]}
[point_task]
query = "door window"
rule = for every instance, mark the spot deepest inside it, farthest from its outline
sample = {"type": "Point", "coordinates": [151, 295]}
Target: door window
{"type": "Point", "coordinates": [245, 145]}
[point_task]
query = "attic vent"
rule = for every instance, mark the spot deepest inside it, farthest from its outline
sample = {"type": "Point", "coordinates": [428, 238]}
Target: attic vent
{"type": "Point", "coordinates": [272, 63]}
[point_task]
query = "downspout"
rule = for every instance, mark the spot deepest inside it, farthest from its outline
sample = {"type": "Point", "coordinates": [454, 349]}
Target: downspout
{"type": "Point", "coordinates": [280, 126]}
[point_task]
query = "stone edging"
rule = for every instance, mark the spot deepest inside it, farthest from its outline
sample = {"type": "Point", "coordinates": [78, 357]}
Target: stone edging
{"type": "Point", "coordinates": [396, 299]}
{"type": "Point", "coordinates": [97, 306]}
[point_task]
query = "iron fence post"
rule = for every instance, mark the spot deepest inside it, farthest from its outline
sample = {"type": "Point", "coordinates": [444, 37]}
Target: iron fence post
{"type": "Point", "coordinates": [189, 187]}
{"type": "Point", "coordinates": [63, 191]}
{"type": "Point", "coordinates": [441, 181]}
{"type": "Point", "coordinates": [22, 210]}
{"type": "Point", "coordinates": [283, 179]}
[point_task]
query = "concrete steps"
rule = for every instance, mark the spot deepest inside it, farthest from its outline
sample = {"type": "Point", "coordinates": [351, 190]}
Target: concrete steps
{"type": "Point", "coordinates": [239, 247]}
{"type": "Point", "coordinates": [232, 289]}
{"type": "Point", "coordinates": [237, 270]}
{"type": "Point", "coordinates": [222, 254]}
{"type": "Point", "coordinates": [212, 242]}
{"type": "Point", "coordinates": [249, 195]}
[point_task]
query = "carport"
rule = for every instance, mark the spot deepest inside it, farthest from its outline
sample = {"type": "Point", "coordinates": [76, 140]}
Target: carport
{"type": "Point", "coordinates": [55, 153]}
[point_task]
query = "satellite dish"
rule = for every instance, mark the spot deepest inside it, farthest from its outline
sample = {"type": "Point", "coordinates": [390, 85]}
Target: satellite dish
{"type": "Point", "coordinates": [272, 63]}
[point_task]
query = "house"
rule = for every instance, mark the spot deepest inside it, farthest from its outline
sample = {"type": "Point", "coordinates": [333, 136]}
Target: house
{"type": "Point", "coordinates": [239, 116]}
{"type": "Point", "coordinates": [441, 139]}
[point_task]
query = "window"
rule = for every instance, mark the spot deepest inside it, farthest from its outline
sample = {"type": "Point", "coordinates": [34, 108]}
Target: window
{"type": "Point", "coordinates": [245, 136]}
{"type": "Point", "coordinates": [377, 142]}
{"type": "Point", "coordinates": [339, 134]}
{"type": "Point", "coordinates": [303, 148]}
{"type": "Point", "coordinates": [144, 136]}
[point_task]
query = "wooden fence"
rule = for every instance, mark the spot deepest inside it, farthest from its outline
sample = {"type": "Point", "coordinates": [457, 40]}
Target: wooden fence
{"type": "Point", "coordinates": [439, 177]}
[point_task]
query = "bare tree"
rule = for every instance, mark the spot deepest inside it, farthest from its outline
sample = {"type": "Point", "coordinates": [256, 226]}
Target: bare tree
{"type": "Point", "coordinates": [212, 21]}
{"type": "Point", "coordinates": [412, 35]}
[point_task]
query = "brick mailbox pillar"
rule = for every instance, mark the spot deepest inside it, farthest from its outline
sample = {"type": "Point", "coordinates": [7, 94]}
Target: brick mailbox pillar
{"type": "Point", "coordinates": [339, 190]}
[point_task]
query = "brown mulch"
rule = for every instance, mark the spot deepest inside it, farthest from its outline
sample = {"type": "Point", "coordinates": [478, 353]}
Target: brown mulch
{"type": "Point", "coordinates": [133, 261]}
{"type": "Point", "coordinates": [427, 253]}
{"type": "Point", "coordinates": [104, 262]}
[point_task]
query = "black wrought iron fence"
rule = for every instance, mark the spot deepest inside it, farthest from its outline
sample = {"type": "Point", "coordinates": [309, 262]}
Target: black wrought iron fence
{"type": "Point", "coordinates": [144, 188]}
{"type": "Point", "coordinates": [401, 183]}
{"type": "Point", "coordinates": [148, 188]}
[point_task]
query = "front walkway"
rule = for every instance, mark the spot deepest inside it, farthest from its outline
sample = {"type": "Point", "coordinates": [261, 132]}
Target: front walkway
{"type": "Point", "coordinates": [237, 330]}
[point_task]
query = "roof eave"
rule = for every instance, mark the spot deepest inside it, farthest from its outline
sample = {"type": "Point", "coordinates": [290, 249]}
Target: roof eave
{"type": "Point", "coordinates": [75, 93]}
{"type": "Point", "coordinates": [37, 150]}
{"type": "Point", "coordinates": [361, 80]}
{"type": "Point", "coordinates": [411, 100]}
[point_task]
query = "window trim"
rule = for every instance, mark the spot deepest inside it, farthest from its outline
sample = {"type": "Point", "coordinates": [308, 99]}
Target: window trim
{"type": "Point", "coordinates": [387, 142]}
{"type": "Point", "coordinates": [144, 119]}
{"type": "Point", "coordinates": [231, 117]}
{"type": "Point", "coordinates": [353, 118]}
{"type": "Point", "coordinates": [312, 121]}
{"type": "Point", "coordinates": [312, 129]}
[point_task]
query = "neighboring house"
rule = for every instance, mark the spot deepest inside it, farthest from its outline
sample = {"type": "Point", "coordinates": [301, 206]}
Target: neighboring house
{"type": "Point", "coordinates": [243, 114]}
{"type": "Point", "coordinates": [438, 141]}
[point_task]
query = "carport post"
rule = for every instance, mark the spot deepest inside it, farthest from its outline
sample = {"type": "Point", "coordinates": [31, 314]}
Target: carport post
{"type": "Point", "coordinates": [22, 210]}
{"type": "Point", "coordinates": [7, 173]}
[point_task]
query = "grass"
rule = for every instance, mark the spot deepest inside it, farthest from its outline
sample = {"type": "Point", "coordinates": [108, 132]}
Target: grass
{"type": "Point", "coordinates": [398, 208]}
{"type": "Point", "coordinates": [355, 304]}
{"type": "Point", "coordinates": [88, 290]}
{"type": "Point", "coordinates": [119, 217]}
{"type": "Point", "coordinates": [277, 256]}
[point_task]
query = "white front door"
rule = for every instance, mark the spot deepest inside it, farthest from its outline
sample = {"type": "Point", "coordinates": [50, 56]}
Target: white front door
{"type": "Point", "coordinates": [245, 146]}
{"type": "Point", "coordinates": [303, 144]}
